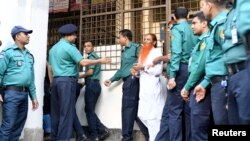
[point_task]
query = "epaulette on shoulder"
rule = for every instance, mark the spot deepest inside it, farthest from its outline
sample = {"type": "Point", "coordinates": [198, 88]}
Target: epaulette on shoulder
{"type": "Point", "coordinates": [222, 21]}
{"type": "Point", "coordinates": [175, 24]}
{"type": "Point", "coordinates": [7, 48]}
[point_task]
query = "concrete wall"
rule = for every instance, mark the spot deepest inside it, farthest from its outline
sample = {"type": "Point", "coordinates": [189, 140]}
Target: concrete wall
{"type": "Point", "coordinates": [31, 14]}
{"type": "Point", "coordinates": [109, 104]}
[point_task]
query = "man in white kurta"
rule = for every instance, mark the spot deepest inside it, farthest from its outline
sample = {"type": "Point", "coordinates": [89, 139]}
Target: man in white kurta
{"type": "Point", "coordinates": [151, 100]}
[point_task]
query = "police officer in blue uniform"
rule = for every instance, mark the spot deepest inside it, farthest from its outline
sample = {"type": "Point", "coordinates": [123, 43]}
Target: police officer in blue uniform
{"type": "Point", "coordinates": [130, 88]}
{"type": "Point", "coordinates": [64, 58]}
{"type": "Point", "coordinates": [235, 57]}
{"type": "Point", "coordinates": [97, 131]}
{"type": "Point", "coordinates": [17, 82]}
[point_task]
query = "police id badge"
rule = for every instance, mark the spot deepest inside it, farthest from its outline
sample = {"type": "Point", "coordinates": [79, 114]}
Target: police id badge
{"type": "Point", "coordinates": [19, 63]}
{"type": "Point", "coordinates": [234, 35]}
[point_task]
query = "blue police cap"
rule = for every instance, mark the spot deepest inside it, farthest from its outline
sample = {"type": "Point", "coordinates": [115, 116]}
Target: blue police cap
{"type": "Point", "coordinates": [17, 29]}
{"type": "Point", "coordinates": [67, 29]}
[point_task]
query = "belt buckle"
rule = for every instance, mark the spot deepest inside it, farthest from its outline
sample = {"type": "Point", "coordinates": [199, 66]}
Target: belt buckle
{"type": "Point", "coordinates": [23, 89]}
{"type": "Point", "coordinates": [230, 69]}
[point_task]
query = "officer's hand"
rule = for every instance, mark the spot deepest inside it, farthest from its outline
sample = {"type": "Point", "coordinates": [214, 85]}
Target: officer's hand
{"type": "Point", "coordinates": [157, 60]}
{"type": "Point", "coordinates": [133, 72]}
{"type": "Point", "coordinates": [105, 60]}
{"type": "Point", "coordinates": [137, 67]}
{"type": "Point", "coordinates": [1, 98]}
{"type": "Point", "coordinates": [199, 93]}
{"type": "Point", "coordinates": [171, 83]}
{"type": "Point", "coordinates": [107, 83]}
{"type": "Point", "coordinates": [35, 104]}
{"type": "Point", "coordinates": [185, 94]}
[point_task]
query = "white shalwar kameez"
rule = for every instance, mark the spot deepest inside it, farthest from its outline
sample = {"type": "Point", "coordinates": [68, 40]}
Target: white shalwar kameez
{"type": "Point", "coordinates": [151, 100]}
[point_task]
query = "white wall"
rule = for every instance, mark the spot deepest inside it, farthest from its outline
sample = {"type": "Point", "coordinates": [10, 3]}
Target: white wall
{"type": "Point", "coordinates": [109, 104]}
{"type": "Point", "coordinates": [31, 14]}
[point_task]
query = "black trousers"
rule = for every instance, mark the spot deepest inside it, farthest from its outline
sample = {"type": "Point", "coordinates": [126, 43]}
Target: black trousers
{"type": "Point", "coordinates": [130, 99]}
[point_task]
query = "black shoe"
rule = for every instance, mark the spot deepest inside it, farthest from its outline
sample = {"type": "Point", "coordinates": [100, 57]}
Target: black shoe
{"type": "Point", "coordinates": [47, 136]}
{"type": "Point", "coordinates": [83, 137]}
{"type": "Point", "coordinates": [104, 134]}
{"type": "Point", "coordinates": [93, 139]}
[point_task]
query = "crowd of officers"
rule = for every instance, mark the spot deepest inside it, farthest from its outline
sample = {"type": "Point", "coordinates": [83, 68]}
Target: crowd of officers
{"type": "Point", "coordinates": [208, 77]}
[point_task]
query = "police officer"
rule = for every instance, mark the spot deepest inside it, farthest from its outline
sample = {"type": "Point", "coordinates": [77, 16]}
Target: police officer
{"type": "Point", "coordinates": [182, 42]}
{"type": "Point", "coordinates": [64, 59]}
{"type": "Point", "coordinates": [200, 110]}
{"type": "Point", "coordinates": [235, 57]}
{"type": "Point", "coordinates": [243, 25]}
{"type": "Point", "coordinates": [216, 71]}
{"type": "Point", "coordinates": [130, 88]}
{"type": "Point", "coordinates": [92, 93]}
{"type": "Point", "coordinates": [17, 82]}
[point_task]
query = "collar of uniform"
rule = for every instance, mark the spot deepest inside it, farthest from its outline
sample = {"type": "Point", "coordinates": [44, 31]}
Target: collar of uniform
{"type": "Point", "coordinates": [221, 16]}
{"type": "Point", "coordinates": [130, 44]}
{"type": "Point", "coordinates": [204, 35]}
{"type": "Point", "coordinates": [182, 21]}
{"type": "Point", "coordinates": [66, 41]}
{"type": "Point", "coordinates": [16, 47]}
{"type": "Point", "coordinates": [90, 54]}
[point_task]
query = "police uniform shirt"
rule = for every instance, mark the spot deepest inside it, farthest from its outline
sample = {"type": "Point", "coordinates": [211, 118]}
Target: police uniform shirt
{"type": "Point", "coordinates": [129, 58]}
{"type": "Point", "coordinates": [182, 43]}
{"type": "Point", "coordinates": [198, 61]}
{"type": "Point", "coordinates": [17, 69]}
{"type": "Point", "coordinates": [64, 58]}
{"type": "Point", "coordinates": [96, 68]}
{"type": "Point", "coordinates": [215, 64]}
{"type": "Point", "coordinates": [233, 47]}
{"type": "Point", "coordinates": [243, 10]}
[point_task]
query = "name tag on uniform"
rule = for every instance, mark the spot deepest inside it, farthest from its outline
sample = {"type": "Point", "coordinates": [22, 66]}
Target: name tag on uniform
{"type": "Point", "coordinates": [19, 63]}
{"type": "Point", "coordinates": [234, 35]}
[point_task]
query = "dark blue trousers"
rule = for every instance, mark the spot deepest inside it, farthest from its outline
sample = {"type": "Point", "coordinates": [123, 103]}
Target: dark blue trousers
{"type": "Point", "coordinates": [179, 109]}
{"type": "Point", "coordinates": [63, 110]}
{"type": "Point", "coordinates": [92, 93]}
{"type": "Point", "coordinates": [76, 124]}
{"type": "Point", "coordinates": [219, 102]}
{"type": "Point", "coordinates": [200, 117]}
{"type": "Point", "coordinates": [239, 98]}
{"type": "Point", "coordinates": [130, 99]}
{"type": "Point", "coordinates": [15, 108]}
{"type": "Point", "coordinates": [163, 134]}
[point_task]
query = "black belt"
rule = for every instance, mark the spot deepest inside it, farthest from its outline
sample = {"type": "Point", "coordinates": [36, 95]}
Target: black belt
{"type": "Point", "coordinates": [247, 39]}
{"type": "Point", "coordinates": [125, 78]}
{"type": "Point", "coordinates": [65, 77]}
{"type": "Point", "coordinates": [17, 88]}
{"type": "Point", "coordinates": [235, 67]}
{"type": "Point", "coordinates": [217, 79]}
{"type": "Point", "coordinates": [91, 80]}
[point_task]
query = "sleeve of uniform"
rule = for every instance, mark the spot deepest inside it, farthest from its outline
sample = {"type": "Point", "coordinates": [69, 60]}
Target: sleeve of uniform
{"type": "Point", "coordinates": [243, 11]}
{"type": "Point", "coordinates": [157, 69]}
{"type": "Point", "coordinates": [117, 75]}
{"type": "Point", "coordinates": [75, 54]}
{"type": "Point", "coordinates": [32, 87]}
{"type": "Point", "coordinates": [176, 49]}
{"type": "Point", "coordinates": [4, 61]}
{"type": "Point", "coordinates": [206, 81]}
{"type": "Point", "coordinates": [92, 66]}
{"type": "Point", "coordinates": [198, 72]}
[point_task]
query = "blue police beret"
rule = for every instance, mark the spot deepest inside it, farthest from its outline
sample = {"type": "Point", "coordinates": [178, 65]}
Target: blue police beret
{"type": "Point", "coordinates": [17, 29]}
{"type": "Point", "coordinates": [67, 29]}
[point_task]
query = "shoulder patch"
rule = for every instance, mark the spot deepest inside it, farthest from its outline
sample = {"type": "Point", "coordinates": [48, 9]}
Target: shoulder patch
{"type": "Point", "coordinates": [221, 34]}
{"type": "Point", "coordinates": [202, 46]}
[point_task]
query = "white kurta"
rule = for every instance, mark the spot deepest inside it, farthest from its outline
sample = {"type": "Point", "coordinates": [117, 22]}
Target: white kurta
{"type": "Point", "coordinates": [151, 100]}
